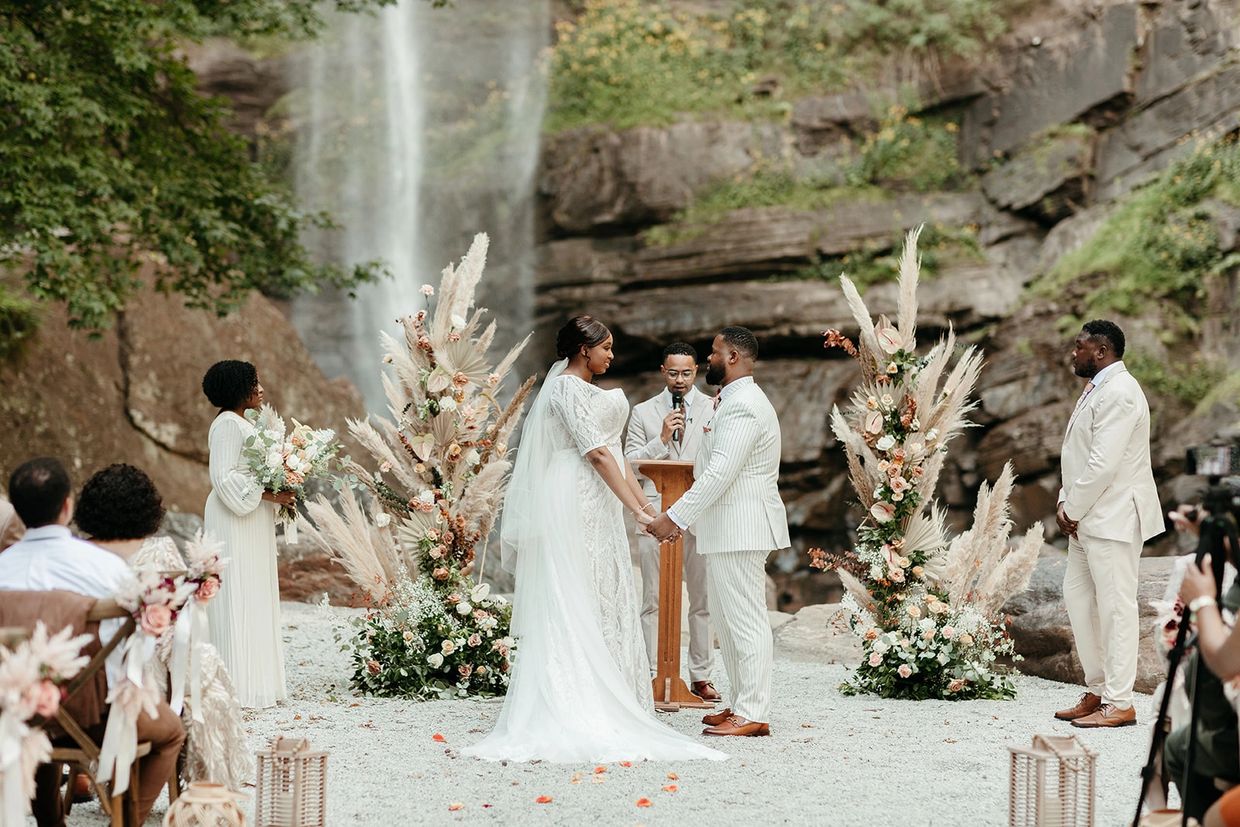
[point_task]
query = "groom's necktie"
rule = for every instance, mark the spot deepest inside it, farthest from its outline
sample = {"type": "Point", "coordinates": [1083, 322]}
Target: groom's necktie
{"type": "Point", "coordinates": [718, 398]}
{"type": "Point", "coordinates": [1080, 402]}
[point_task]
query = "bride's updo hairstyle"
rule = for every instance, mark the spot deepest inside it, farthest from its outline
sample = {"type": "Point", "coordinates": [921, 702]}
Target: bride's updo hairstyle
{"type": "Point", "coordinates": [580, 331]}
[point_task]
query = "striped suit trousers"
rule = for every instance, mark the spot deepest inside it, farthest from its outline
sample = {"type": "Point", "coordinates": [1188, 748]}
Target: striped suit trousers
{"type": "Point", "coordinates": [737, 595]}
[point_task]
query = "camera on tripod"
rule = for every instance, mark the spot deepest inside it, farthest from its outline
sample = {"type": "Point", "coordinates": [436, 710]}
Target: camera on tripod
{"type": "Point", "coordinates": [1220, 462]}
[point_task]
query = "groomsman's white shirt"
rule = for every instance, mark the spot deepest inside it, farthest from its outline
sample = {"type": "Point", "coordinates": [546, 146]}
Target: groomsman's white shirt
{"type": "Point", "coordinates": [734, 504]}
{"type": "Point", "coordinates": [50, 557]}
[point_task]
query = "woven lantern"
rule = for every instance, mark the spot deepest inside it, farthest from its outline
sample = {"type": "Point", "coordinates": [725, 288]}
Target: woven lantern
{"type": "Point", "coordinates": [205, 805]}
{"type": "Point", "coordinates": [292, 785]}
{"type": "Point", "coordinates": [1053, 783]}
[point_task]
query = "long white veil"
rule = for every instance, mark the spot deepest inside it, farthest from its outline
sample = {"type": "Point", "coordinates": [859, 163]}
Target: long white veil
{"type": "Point", "coordinates": [519, 527]}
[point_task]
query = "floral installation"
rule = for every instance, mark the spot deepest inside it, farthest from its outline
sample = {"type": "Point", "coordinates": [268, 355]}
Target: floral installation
{"type": "Point", "coordinates": [32, 675]}
{"type": "Point", "coordinates": [442, 466]}
{"type": "Point", "coordinates": [926, 607]}
{"type": "Point", "coordinates": [285, 461]}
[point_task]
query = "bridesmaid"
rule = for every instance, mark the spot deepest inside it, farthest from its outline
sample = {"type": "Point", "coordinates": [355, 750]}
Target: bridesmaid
{"type": "Point", "coordinates": [245, 616]}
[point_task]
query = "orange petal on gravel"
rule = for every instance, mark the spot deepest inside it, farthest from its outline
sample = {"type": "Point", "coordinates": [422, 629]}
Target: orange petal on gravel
{"type": "Point", "coordinates": [671, 776]}
{"type": "Point", "coordinates": [454, 806]}
{"type": "Point", "coordinates": [626, 763]}
{"type": "Point", "coordinates": [543, 799]}
{"type": "Point", "coordinates": [670, 788]}
{"type": "Point", "coordinates": [598, 770]}
{"type": "Point", "coordinates": [644, 802]}
{"type": "Point", "coordinates": [439, 739]}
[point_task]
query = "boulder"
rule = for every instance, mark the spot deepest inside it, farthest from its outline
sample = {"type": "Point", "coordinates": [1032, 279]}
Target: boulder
{"type": "Point", "coordinates": [1085, 68]}
{"type": "Point", "coordinates": [1030, 441]}
{"type": "Point", "coordinates": [593, 178]}
{"type": "Point", "coordinates": [1043, 633]}
{"type": "Point", "coordinates": [1070, 234]}
{"type": "Point", "coordinates": [1048, 180]}
{"type": "Point", "coordinates": [819, 634]}
{"type": "Point", "coordinates": [134, 393]}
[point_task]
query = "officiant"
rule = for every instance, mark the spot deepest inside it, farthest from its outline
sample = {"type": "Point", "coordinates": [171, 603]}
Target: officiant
{"type": "Point", "coordinates": [669, 426]}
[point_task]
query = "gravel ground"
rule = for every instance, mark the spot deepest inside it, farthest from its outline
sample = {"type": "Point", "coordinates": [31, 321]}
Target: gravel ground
{"type": "Point", "coordinates": [831, 759]}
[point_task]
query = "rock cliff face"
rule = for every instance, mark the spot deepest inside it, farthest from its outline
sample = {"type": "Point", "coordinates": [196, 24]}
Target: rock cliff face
{"type": "Point", "coordinates": [1082, 103]}
{"type": "Point", "coordinates": [134, 394]}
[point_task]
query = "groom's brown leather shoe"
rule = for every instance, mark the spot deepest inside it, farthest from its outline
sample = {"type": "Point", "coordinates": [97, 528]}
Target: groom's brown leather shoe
{"type": "Point", "coordinates": [736, 725]}
{"type": "Point", "coordinates": [717, 718]}
{"type": "Point", "coordinates": [706, 691]}
{"type": "Point", "coordinates": [1108, 715]}
{"type": "Point", "coordinates": [1087, 705]}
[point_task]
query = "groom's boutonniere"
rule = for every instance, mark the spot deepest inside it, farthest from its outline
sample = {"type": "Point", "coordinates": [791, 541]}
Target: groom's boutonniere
{"type": "Point", "coordinates": [706, 428]}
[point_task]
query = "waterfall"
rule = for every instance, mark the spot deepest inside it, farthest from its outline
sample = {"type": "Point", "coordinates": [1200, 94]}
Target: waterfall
{"type": "Point", "coordinates": [416, 128]}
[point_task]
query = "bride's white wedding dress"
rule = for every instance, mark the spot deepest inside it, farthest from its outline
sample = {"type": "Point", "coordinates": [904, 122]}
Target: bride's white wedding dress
{"type": "Point", "coordinates": [580, 689]}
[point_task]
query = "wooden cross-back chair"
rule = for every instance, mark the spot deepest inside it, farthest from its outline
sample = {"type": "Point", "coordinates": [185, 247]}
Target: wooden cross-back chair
{"type": "Point", "coordinates": [79, 751]}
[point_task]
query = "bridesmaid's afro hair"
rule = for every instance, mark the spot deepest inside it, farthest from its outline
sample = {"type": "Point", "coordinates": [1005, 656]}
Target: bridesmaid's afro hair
{"type": "Point", "coordinates": [228, 384]}
{"type": "Point", "coordinates": [119, 503]}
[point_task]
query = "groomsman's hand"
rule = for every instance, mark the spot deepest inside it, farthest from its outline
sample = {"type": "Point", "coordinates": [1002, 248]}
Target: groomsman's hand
{"type": "Point", "coordinates": [1068, 527]}
{"type": "Point", "coordinates": [663, 529]}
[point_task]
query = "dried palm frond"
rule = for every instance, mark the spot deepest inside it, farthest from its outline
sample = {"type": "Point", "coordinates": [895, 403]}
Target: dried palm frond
{"type": "Point", "coordinates": [367, 554]}
{"type": "Point", "coordinates": [906, 303]}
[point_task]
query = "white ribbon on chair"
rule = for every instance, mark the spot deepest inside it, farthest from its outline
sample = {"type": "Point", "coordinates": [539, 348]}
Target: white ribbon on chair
{"type": "Point", "coordinates": [126, 702]}
{"type": "Point", "coordinates": [185, 640]}
{"type": "Point", "coordinates": [22, 750]}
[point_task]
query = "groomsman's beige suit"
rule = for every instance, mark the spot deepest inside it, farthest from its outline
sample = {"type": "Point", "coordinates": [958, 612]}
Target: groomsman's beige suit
{"type": "Point", "coordinates": [1109, 493]}
{"type": "Point", "coordinates": [644, 441]}
{"type": "Point", "coordinates": [735, 509]}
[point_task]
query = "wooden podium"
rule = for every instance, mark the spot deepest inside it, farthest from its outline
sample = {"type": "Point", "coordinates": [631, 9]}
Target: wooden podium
{"type": "Point", "coordinates": [672, 479]}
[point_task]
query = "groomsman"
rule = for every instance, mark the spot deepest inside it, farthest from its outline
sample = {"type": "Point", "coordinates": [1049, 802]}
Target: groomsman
{"type": "Point", "coordinates": [659, 429]}
{"type": "Point", "coordinates": [736, 511]}
{"type": "Point", "coordinates": [1108, 507]}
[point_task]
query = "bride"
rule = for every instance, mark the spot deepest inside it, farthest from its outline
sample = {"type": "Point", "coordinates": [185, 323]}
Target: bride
{"type": "Point", "coordinates": [580, 689]}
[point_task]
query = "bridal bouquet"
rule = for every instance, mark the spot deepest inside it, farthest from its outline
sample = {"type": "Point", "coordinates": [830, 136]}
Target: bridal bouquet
{"type": "Point", "coordinates": [31, 677]}
{"type": "Point", "coordinates": [926, 607]}
{"type": "Point", "coordinates": [285, 461]}
{"type": "Point", "coordinates": [440, 470]}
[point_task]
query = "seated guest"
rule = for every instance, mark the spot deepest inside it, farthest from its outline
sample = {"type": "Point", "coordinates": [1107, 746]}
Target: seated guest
{"type": "Point", "coordinates": [11, 528]}
{"type": "Point", "coordinates": [120, 509]}
{"type": "Point", "coordinates": [49, 557]}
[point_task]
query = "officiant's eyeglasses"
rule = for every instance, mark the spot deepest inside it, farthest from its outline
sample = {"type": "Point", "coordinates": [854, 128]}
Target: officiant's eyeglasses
{"type": "Point", "coordinates": [681, 374]}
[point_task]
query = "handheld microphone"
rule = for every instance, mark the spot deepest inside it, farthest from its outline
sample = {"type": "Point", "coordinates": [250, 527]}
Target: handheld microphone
{"type": "Point", "coordinates": [678, 401]}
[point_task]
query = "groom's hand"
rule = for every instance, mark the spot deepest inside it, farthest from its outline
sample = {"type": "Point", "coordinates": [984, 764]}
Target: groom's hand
{"type": "Point", "coordinates": [663, 529]}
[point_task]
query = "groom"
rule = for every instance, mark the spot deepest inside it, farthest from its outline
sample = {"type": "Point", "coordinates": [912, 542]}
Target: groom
{"type": "Point", "coordinates": [739, 519]}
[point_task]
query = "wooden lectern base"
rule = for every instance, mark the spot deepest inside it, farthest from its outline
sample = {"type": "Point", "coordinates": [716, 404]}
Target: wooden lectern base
{"type": "Point", "coordinates": [672, 479]}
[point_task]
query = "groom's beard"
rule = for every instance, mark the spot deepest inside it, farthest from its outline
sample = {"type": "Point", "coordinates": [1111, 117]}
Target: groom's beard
{"type": "Point", "coordinates": [714, 376]}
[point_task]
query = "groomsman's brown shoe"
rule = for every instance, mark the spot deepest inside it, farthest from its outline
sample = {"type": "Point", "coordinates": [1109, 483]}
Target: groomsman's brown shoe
{"type": "Point", "coordinates": [706, 691]}
{"type": "Point", "coordinates": [717, 718]}
{"type": "Point", "coordinates": [738, 726]}
{"type": "Point", "coordinates": [1087, 705]}
{"type": "Point", "coordinates": [1108, 715]}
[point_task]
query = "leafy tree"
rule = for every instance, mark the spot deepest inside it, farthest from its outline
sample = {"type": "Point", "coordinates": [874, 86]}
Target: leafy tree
{"type": "Point", "coordinates": [110, 158]}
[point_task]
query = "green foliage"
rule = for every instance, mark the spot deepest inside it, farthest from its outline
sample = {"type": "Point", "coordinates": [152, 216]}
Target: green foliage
{"type": "Point", "coordinates": [1159, 247]}
{"type": "Point", "coordinates": [910, 153]}
{"type": "Point", "coordinates": [19, 320]}
{"type": "Point", "coordinates": [630, 62]}
{"type": "Point", "coordinates": [1189, 383]}
{"type": "Point", "coordinates": [418, 644]}
{"type": "Point", "coordinates": [114, 161]}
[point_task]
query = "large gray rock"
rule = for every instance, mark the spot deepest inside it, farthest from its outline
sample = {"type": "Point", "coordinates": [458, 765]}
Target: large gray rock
{"type": "Point", "coordinates": [1083, 69]}
{"type": "Point", "coordinates": [1043, 634]}
{"type": "Point", "coordinates": [1152, 138]}
{"type": "Point", "coordinates": [594, 178]}
{"type": "Point", "coordinates": [1030, 441]}
{"type": "Point", "coordinates": [819, 634]}
{"type": "Point", "coordinates": [1186, 39]}
{"type": "Point", "coordinates": [1070, 234]}
{"type": "Point", "coordinates": [1049, 179]}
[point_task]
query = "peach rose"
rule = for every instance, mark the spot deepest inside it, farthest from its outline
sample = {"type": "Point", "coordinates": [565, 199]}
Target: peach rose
{"type": "Point", "coordinates": [373, 667]}
{"type": "Point", "coordinates": [905, 670]}
{"type": "Point", "coordinates": [465, 670]}
{"type": "Point", "coordinates": [207, 589]}
{"type": "Point", "coordinates": [156, 619]}
{"type": "Point", "coordinates": [440, 573]}
{"type": "Point", "coordinates": [475, 639]}
{"type": "Point", "coordinates": [876, 659]}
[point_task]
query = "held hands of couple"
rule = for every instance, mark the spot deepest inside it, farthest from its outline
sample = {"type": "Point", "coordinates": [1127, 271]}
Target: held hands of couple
{"type": "Point", "coordinates": [663, 529]}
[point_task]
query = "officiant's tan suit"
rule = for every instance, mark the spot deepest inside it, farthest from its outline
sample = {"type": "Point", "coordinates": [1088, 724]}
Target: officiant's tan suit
{"type": "Point", "coordinates": [644, 441]}
{"type": "Point", "coordinates": [735, 509]}
{"type": "Point", "coordinates": [1108, 488]}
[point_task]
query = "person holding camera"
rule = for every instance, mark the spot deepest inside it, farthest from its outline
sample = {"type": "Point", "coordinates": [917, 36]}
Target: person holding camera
{"type": "Point", "coordinates": [1216, 761]}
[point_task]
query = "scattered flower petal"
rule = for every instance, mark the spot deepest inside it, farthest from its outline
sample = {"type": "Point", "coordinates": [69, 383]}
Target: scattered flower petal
{"type": "Point", "coordinates": [543, 799]}
{"type": "Point", "coordinates": [454, 806]}
{"type": "Point", "coordinates": [671, 776]}
{"type": "Point", "coordinates": [644, 802]}
{"type": "Point", "coordinates": [670, 788]}
{"type": "Point", "coordinates": [439, 739]}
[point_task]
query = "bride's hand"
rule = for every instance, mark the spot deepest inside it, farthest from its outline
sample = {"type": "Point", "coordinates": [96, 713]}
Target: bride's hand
{"type": "Point", "coordinates": [644, 519]}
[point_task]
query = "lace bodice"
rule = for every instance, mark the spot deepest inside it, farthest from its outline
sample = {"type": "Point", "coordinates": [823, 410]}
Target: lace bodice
{"type": "Point", "coordinates": [589, 416]}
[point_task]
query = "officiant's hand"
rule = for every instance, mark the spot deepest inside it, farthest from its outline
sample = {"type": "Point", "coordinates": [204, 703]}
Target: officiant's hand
{"type": "Point", "coordinates": [673, 422]}
{"type": "Point", "coordinates": [663, 529]}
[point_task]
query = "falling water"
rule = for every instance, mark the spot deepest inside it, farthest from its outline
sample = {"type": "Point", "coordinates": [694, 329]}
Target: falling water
{"type": "Point", "coordinates": [416, 128]}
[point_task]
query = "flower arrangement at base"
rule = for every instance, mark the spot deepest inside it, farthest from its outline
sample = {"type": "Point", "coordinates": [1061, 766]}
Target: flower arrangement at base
{"type": "Point", "coordinates": [926, 608]}
{"type": "Point", "coordinates": [31, 677]}
{"type": "Point", "coordinates": [284, 461]}
{"type": "Point", "coordinates": [442, 468]}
